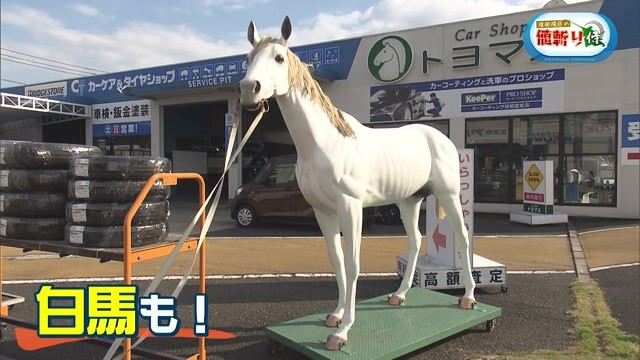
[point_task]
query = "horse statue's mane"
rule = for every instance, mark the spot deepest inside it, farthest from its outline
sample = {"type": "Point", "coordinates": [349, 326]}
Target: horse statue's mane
{"type": "Point", "coordinates": [300, 78]}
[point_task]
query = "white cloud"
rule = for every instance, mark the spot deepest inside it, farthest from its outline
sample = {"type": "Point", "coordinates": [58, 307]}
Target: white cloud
{"type": "Point", "coordinates": [144, 44]}
{"type": "Point", "coordinates": [234, 4]}
{"type": "Point", "coordinates": [390, 15]}
{"type": "Point", "coordinates": [133, 45]}
{"type": "Point", "coordinates": [85, 9]}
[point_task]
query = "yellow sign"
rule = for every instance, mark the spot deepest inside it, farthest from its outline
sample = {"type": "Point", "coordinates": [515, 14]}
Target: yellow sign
{"type": "Point", "coordinates": [534, 177]}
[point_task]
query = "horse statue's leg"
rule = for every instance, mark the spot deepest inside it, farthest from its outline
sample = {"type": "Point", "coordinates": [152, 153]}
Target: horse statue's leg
{"type": "Point", "coordinates": [410, 212]}
{"type": "Point", "coordinates": [350, 218]}
{"type": "Point", "coordinates": [453, 209]}
{"type": "Point", "coordinates": [330, 228]}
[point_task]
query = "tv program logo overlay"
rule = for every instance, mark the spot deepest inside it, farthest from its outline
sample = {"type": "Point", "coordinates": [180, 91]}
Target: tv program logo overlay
{"type": "Point", "coordinates": [570, 37]}
{"type": "Point", "coordinates": [76, 313]}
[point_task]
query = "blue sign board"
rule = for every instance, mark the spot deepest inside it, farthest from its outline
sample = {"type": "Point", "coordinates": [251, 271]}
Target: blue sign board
{"type": "Point", "coordinates": [630, 131]}
{"type": "Point", "coordinates": [482, 81]}
{"type": "Point", "coordinates": [502, 100]}
{"type": "Point", "coordinates": [122, 129]}
{"type": "Point", "coordinates": [331, 60]}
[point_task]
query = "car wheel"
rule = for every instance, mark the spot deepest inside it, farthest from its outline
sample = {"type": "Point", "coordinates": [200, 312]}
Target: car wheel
{"type": "Point", "coordinates": [407, 113]}
{"type": "Point", "coordinates": [246, 216]}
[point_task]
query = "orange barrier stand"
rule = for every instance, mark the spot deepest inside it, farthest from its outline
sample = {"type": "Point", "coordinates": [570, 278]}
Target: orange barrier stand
{"type": "Point", "coordinates": [127, 255]}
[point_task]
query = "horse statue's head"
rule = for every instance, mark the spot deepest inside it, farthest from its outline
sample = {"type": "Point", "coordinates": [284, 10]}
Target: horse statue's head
{"type": "Point", "coordinates": [267, 66]}
{"type": "Point", "coordinates": [274, 70]}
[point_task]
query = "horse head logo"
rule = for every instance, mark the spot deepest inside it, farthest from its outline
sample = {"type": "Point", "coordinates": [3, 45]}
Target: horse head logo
{"type": "Point", "coordinates": [390, 59]}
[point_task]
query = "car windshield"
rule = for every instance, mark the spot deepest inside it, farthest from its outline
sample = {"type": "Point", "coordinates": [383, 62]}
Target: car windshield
{"type": "Point", "coordinates": [260, 175]}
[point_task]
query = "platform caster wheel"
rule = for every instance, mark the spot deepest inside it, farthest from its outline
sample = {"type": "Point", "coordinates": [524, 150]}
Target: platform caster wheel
{"type": "Point", "coordinates": [490, 325]}
{"type": "Point", "coordinates": [3, 330]}
{"type": "Point", "coordinates": [504, 289]}
{"type": "Point", "coordinates": [273, 347]}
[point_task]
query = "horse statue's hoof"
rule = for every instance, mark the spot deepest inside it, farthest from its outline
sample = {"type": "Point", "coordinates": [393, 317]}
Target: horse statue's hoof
{"type": "Point", "coordinates": [466, 303]}
{"type": "Point", "coordinates": [332, 321]}
{"type": "Point", "coordinates": [334, 343]}
{"type": "Point", "coordinates": [395, 300]}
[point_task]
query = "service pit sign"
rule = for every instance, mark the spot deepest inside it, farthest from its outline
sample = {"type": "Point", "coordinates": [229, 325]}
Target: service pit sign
{"type": "Point", "coordinates": [441, 246]}
{"type": "Point", "coordinates": [538, 186]}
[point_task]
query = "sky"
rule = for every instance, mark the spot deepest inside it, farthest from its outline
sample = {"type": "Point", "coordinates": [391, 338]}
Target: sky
{"type": "Point", "coordinates": [83, 37]}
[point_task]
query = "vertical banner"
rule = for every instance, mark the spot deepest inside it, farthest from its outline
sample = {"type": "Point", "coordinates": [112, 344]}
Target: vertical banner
{"type": "Point", "coordinates": [441, 246]}
{"type": "Point", "coordinates": [228, 123]}
{"type": "Point", "coordinates": [630, 136]}
{"type": "Point", "coordinates": [537, 189]}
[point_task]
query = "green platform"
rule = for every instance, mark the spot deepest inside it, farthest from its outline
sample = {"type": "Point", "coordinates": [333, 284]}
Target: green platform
{"type": "Point", "coordinates": [382, 331]}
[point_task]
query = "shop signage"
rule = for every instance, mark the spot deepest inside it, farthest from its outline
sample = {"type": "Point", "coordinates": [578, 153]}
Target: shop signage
{"type": "Point", "coordinates": [501, 100]}
{"type": "Point", "coordinates": [127, 118]}
{"type": "Point", "coordinates": [499, 94]}
{"type": "Point", "coordinates": [534, 177]}
{"type": "Point", "coordinates": [496, 29]}
{"type": "Point", "coordinates": [630, 136]}
{"type": "Point", "coordinates": [538, 187]}
{"type": "Point", "coordinates": [125, 111]}
{"type": "Point", "coordinates": [390, 59]}
{"type": "Point", "coordinates": [122, 129]}
{"type": "Point", "coordinates": [47, 90]}
{"type": "Point", "coordinates": [331, 60]}
{"type": "Point", "coordinates": [570, 37]}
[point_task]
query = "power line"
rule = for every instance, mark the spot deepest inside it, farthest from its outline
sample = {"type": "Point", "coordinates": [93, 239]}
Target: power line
{"type": "Point", "coordinates": [8, 57]}
{"type": "Point", "coordinates": [15, 82]}
{"type": "Point", "coordinates": [55, 61]}
{"type": "Point", "coordinates": [44, 67]}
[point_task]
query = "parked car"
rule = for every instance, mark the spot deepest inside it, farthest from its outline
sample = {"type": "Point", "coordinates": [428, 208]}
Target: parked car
{"type": "Point", "coordinates": [274, 196]}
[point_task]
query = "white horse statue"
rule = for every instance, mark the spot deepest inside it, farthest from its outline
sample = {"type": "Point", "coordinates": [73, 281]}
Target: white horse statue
{"type": "Point", "coordinates": [344, 166]}
{"type": "Point", "coordinates": [389, 63]}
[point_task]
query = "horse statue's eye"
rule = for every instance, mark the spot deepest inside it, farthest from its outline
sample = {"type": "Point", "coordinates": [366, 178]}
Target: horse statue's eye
{"type": "Point", "coordinates": [279, 59]}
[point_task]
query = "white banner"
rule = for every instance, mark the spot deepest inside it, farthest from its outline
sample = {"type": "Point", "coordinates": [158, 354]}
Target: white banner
{"type": "Point", "coordinates": [441, 246]}
{"type": "Point", "coordinates": [119, 112]}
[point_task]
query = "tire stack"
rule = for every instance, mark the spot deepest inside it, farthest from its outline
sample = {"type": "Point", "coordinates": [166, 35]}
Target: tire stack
{"type": "Point", "coordinates": [101, 192]}
{"type": "Point", "coordinates": [33, 188]}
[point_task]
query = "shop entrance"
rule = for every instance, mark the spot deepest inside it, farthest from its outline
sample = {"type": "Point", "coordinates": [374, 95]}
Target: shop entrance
{"type": "Point", "coordinates": [271, 138]}
{"type": "Point", "coordinates": [69, 132]}
{"type": "Point", "coordinates": [194, 140]}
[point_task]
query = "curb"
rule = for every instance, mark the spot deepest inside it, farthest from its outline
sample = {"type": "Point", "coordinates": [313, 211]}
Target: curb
{"type": "Point", "coordinates": [579, 260]}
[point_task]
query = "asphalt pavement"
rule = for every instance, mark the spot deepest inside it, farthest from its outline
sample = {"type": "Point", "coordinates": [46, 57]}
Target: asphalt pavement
{"type": "Point", "coordinates": [535, 310]}
{"type": "Point", "coordinates": [534, 317]}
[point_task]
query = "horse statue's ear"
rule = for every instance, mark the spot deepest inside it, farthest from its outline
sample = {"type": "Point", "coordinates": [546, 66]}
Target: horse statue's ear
{"type": "Point", "coordinates": [285, 29]}
{"type": "Point", "coordinates": [252, 34]}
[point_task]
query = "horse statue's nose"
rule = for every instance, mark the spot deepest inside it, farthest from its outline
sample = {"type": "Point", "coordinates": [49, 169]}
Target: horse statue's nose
{"type": "Point", "coordinates": [250, 86]}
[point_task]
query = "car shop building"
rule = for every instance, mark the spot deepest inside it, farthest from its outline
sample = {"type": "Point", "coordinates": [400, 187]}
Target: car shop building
{"type": "Point", "coordinates": [473, 80]}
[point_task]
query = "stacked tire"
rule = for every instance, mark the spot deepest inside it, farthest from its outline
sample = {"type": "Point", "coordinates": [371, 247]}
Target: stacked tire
{"type": "Point", "coordinates": [33, 188]}
{"type": "Point", "coordinates": [101, 192]}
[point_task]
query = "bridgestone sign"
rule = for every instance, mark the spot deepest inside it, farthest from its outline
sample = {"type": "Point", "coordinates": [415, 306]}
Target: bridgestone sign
{"type": "Point", "coordinates": [46, 90]}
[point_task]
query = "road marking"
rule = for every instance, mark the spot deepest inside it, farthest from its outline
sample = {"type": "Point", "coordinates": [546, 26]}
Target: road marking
{"type": "Point", "coordinates": [614, 266]}
{"type": "Point", "coordinates": [499, 236]}
{"type": "Point", "coordinates": [608, 229]}
{"type": "Point", "coordinates": [34, 257]}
